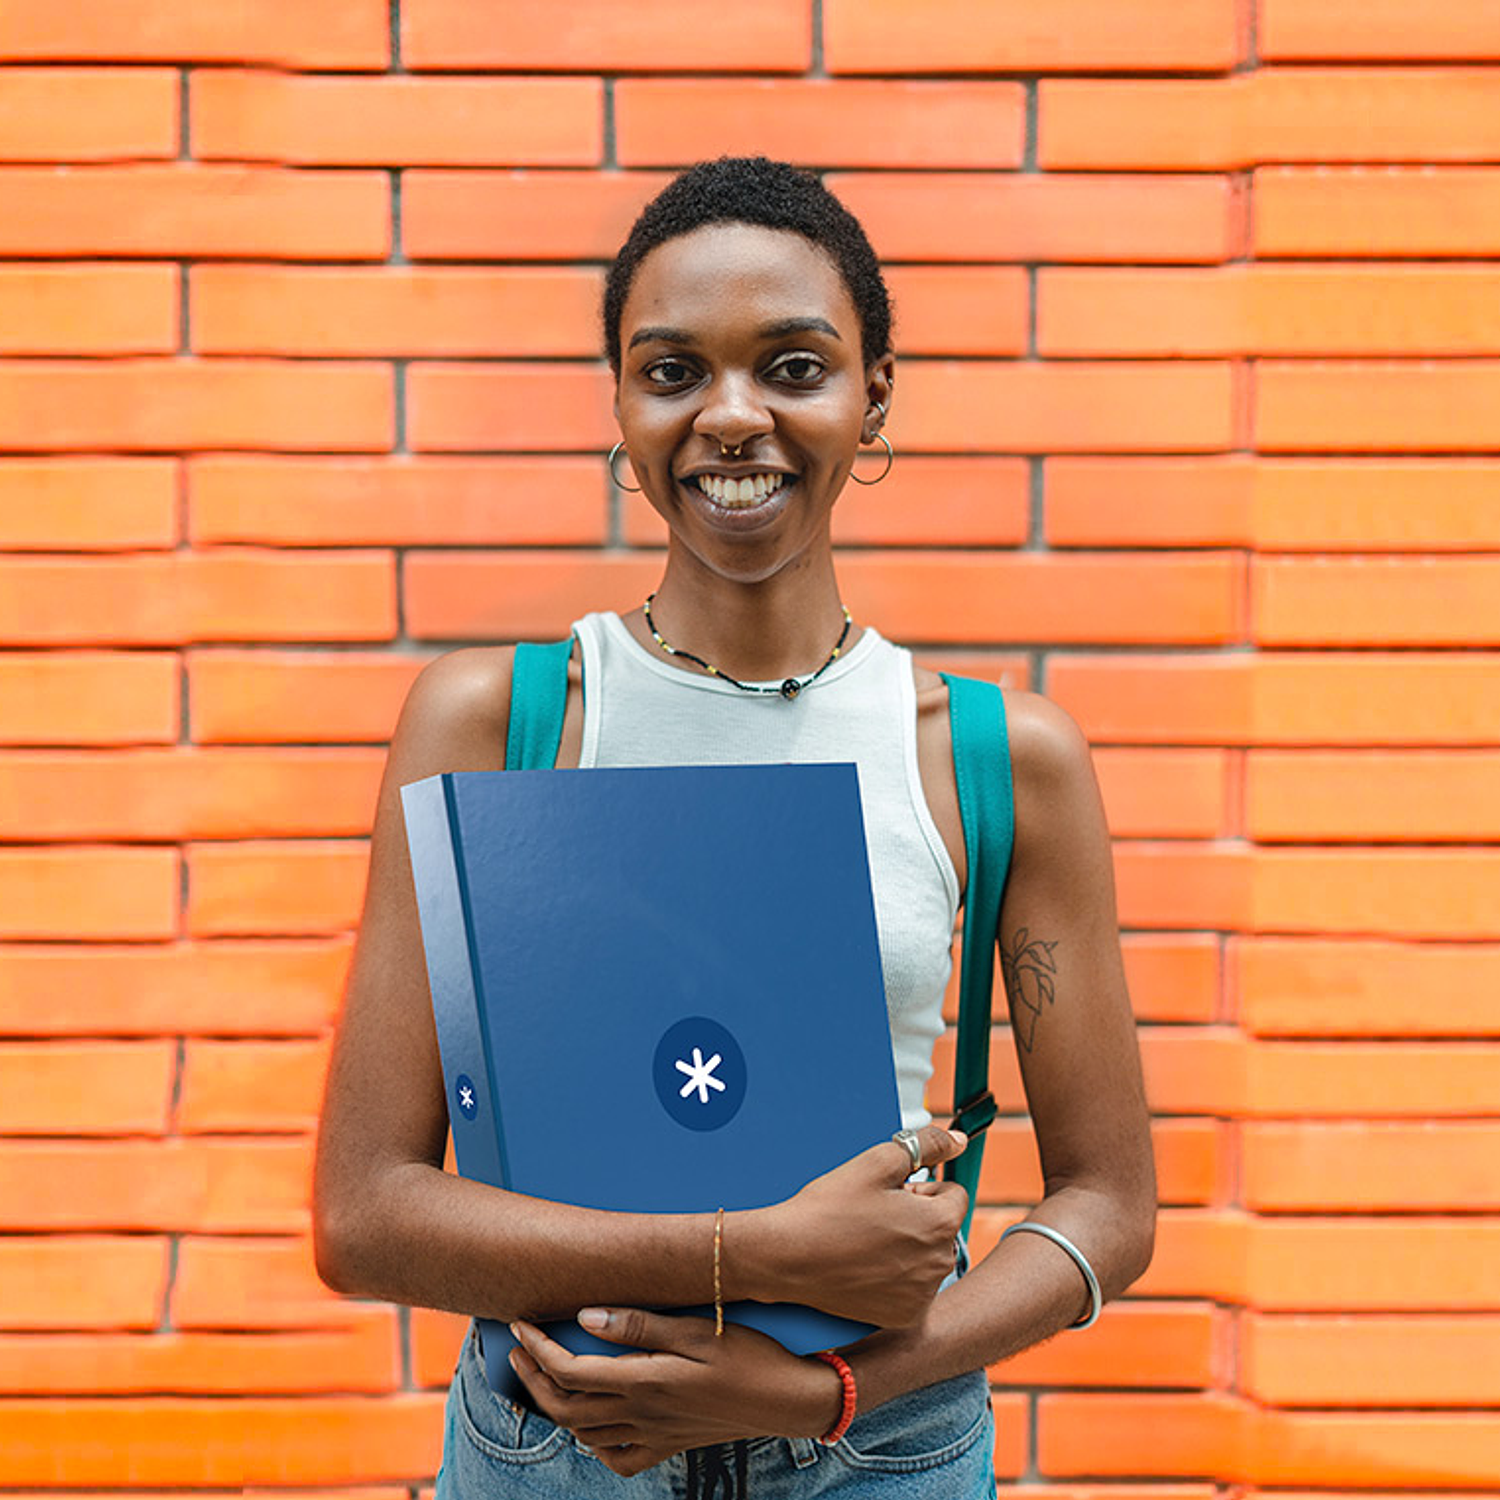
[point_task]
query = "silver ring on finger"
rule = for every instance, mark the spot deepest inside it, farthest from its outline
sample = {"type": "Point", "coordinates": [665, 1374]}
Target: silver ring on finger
{"type": "Point", "coordinates": [908, 1138]}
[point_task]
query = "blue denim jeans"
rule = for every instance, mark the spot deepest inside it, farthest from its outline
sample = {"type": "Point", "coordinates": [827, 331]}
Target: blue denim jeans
{"type": "Point", "coordinates": [934, 1443]}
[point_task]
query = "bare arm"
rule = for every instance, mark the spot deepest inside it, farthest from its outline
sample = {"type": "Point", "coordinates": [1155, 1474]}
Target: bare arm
{"type": "Point", "coordinates": [1075, 1038]}
{"type": "Point", "coordinates": [390, 1223]}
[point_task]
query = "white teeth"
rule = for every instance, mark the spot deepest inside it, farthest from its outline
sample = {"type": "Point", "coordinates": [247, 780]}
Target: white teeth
{"type": "Point", "coordinates": [740, 492]}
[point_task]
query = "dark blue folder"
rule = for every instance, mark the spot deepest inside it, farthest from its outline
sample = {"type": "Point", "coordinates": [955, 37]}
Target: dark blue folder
{"type": "Point", "coordinates": [656, 990]}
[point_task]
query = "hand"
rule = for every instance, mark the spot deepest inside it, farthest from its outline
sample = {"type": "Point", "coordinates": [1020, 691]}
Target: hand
{"type": "Point", "coordinates": [860, 1241]}
{"type": "Point", "coordinates": [689, 1389]}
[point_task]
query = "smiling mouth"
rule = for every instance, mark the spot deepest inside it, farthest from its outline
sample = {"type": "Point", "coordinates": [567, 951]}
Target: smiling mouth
{"type": "Point", "coordinates": [738, 494]}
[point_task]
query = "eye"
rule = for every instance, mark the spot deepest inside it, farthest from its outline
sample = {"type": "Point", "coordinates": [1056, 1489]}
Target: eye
{"type": "Point", "coordinates": [668, 372]}
{"type": "Point", "coordinates": [800, 369]}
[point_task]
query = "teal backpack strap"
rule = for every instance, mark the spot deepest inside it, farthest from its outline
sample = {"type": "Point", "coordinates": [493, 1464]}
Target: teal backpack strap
{"type": "Point", "coordinates": [981, 765]}
{"type": "Point", "coordinates": [538, 700]}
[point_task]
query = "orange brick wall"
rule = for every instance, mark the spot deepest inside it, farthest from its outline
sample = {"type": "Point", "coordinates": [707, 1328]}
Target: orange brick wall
{"type": "Point", "coordinates": [1199, 425]}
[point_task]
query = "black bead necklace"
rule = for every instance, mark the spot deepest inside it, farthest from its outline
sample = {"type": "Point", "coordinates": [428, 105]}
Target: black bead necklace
{"type": "Point", "coordinates": [788, 689]}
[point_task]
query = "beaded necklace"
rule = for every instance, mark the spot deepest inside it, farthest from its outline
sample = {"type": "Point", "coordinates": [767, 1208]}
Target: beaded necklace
{"type": "Point", "coordinates": [788, 689]}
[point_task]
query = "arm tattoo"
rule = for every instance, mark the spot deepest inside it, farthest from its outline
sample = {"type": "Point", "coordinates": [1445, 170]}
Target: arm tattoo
{"type": "Point", "coordinates": [1027, 968]}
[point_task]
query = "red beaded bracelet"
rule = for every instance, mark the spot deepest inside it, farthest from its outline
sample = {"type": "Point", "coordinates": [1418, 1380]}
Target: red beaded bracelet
{"type": "Point", "coordinates": [851, 1395]}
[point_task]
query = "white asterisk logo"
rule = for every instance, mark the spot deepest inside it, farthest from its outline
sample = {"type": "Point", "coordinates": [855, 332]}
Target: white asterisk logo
{"type": "Point", "coordinates": [700, 1075]}
{"type": "Point", "coordinates": [466, 1097]}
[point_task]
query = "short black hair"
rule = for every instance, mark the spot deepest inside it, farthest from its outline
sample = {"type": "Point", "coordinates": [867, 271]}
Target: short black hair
{"type": "Point", "coordinates": [774, 195]}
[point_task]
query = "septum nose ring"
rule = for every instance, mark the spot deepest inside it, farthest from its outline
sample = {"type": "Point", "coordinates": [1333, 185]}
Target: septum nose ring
{"type": "Point", "coordinates": [726, 451]}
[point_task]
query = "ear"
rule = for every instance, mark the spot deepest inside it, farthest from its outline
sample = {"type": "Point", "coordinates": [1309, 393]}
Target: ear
{"type": "Point", "coordinates": [880, 384]}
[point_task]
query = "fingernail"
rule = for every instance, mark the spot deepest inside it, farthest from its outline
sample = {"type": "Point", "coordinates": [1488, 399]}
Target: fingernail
{"type": "Point", "coordinates": [515, 1332]}
{"type": "Point", "coordinates": [960, 1137]}
{"type": "Point", "coordinates": [593, 1317]}
{"type": "Point", "coordinates": [512, 1360]}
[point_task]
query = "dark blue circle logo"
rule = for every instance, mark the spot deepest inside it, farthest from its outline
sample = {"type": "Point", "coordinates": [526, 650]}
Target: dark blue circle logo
{"type": "Point", "coordinates": [463, 1091]}
{"type": "Point", "coordinates": [699, 1072]}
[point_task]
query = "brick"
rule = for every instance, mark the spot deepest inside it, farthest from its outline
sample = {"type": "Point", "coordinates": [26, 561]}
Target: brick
{"type": "Point", "coordinates": [1176, 885]}
{"type": "Point", "coordinates": [263, 1087]}
{"type": "Point", "coordinates": [91, 894]}
{"type": "Point", "coordinates": [335, 34]}
{"type": "Point", "coordinates": [1274, 504]}
{"type": "Point", "coordinates": [915, 596]}
{"type": "Point", "coordinates": [1376, 1264]}
{"type": "Point", "coordinates": [1152, 502]}
{"type": "Point", "coordinates": [436, 1338]}
{"type": "Point", "coordinates": [956, 502]}
{"type": "Point", "coordinates": [1375, 601]}
{"type": "Point", "coordinates": [183, 793]}
{"type": "Point", "coordinates": [848, 123]}
{"type": "Point", "coordinates": [87, 114]}
{"type": "Point", "coordinates": [1387, 30]}
{"type": "Point", "coordinates": [223, 988]}
{"type": "Point", "coordinates": [396, 310]}
{"type": "Point", "coordinates": [597, 36]}
{"type": "Point", "coordinates": [960, 309]}
{"type": "Point", "coordinates": [1415, 796]}
{"type": "Point", "coordinates": [1372, 1165]}
{"type": "Point", "coordinates": [1161, 793]}
{"type": "Point", "coordinates": [1197, 1070]}
{"type": "Point", "coordinates": [86, 1088]}
{"type": "Point", "coordinates": [54, 1281]}
{"type": "Point", "coordinates": [1133, 1344]}
{"type": "Point", "coordinates": [256, 888]}
{"type": "Point", "coordinates": [1068, 406]}
{"type": "Point", "coordinates": [396, 120]}
{"type": "Point", "coordinates": [1371, 1361]}
{"type": "Point", "coordinates": [1271, 115]}
{"type": "Point", "coordinates": [88, 697]}
{"type": "Point", "coordinates": [522, 406]}
{"type": "Point", "coordinates": [87, 504]}
{"type": "Point", "coordinates": [1010, 668]}
{"type": "Point", "coordinates": [1313, 310]}
{"type": "Point", "coordinates": [520, 214]}
{"type": "Point", "coordinates": [187, 209]}
{"type": "Point", "coordinates": [223, 594]}
{"type": "Point", "coordinates": [88, 309]}
{"type": "Point", "coordinates": [1425, 1080]}
{"type": "Point", "coordinates": [265, 1282]}
{"type": "Point", "coordinates": [1022, 216]}
{"type": "Point", "coordinates": [221, 1440]}
{"type": "Point", "coordinates": [266, 697]}
{"type": "Point", "coordinates": [146, 404]}
{"type": "Point", "coordinates": [1367, 211]}
{"type": "Point", "coordinates": [981, 36]}
{"type": "Point", "coordinates": [362, 1357]}
{"type": "Point", "coordinates": [216, 1185]}
{"type": "Point", "coordinates": [1444, 406]}
{"type": "Point", "coordinates": [1364, 891]}
{"type": "Point", "coordinates": [1130, 1434]}
{"type": "Point", "coordinates": [1198, 1253]}
{"type": "Point", "coordinates": [1012, 1434]}
{"type": "Point", "coordinates": [1370, 987]}
{"type": "Point", "coordinates": [424, 501]}
{"type": "Point", "coordinates": [1292, 698]}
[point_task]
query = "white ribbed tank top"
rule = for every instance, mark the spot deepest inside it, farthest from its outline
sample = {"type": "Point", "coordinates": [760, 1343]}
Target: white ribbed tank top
{"type": "Point", "coordinates": [640, 710]}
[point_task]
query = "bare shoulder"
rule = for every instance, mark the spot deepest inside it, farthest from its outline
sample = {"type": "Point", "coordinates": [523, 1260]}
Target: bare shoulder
{"type": "Point", "coordinates": [456, 711]}
{"type": "Point", "coordinates": [1048, 750]}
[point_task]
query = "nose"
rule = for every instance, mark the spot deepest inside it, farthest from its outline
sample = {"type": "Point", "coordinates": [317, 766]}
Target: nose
{"type": "Point", "coordinates": [733, 411]}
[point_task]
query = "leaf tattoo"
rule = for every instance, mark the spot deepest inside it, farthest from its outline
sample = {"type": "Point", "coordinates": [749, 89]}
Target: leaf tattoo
{"type": "Point", "coordinates": [1028, 970]}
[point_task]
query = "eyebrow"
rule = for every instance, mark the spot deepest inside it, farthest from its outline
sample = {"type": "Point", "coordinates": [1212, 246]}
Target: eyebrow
{"type": "Point", "coordinates": [776, 330]}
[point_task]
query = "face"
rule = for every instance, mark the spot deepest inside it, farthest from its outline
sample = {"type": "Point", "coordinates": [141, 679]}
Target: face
{"type": "Point", "coordinates": [737, 336]}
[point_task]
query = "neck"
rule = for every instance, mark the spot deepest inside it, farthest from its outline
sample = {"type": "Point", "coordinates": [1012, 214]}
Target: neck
{"type": "Point", "coordinates": [757, 632]}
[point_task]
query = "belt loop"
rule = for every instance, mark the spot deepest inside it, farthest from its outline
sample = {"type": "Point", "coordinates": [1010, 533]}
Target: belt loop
{"type": "Point", "coordinates": [804, 1451]}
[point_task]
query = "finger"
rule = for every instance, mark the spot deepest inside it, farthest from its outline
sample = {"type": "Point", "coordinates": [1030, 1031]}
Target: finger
{"type": "Point", "coordinates": [938, 1145]}
{"type": "Point", "coordinates": [572, 1372]}
{"type": "Point", "coordinates": [658, 1332]}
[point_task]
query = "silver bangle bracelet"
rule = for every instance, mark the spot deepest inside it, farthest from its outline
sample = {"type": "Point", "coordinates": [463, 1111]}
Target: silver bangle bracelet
{"type": "Point", "coordinates": [1079, 1259]}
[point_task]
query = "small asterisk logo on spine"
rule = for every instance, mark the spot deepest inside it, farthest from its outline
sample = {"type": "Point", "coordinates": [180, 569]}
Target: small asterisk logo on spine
{"type": "Point", "coordinates": [700, 1075]}
{"type": "Point", "coordinates": [468, 1102]}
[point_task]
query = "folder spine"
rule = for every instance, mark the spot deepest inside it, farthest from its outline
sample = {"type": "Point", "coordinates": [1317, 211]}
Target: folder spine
{"type": "Point", "coordinates": [432, 830]}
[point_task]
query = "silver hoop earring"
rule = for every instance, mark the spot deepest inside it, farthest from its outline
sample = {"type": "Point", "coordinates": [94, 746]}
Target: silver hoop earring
{"type": "Point", "coordinates": [633, 489]}
{"type": "Point", "coordinates": [890, 458]}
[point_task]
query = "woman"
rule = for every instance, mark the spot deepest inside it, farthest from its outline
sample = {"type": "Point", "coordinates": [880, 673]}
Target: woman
{"type": "Point", "coordinates": [748, 328]}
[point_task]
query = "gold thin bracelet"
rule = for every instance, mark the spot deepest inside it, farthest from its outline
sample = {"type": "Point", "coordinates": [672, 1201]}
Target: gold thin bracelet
{"type": "Point", "coordinates": [718, 1285]}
